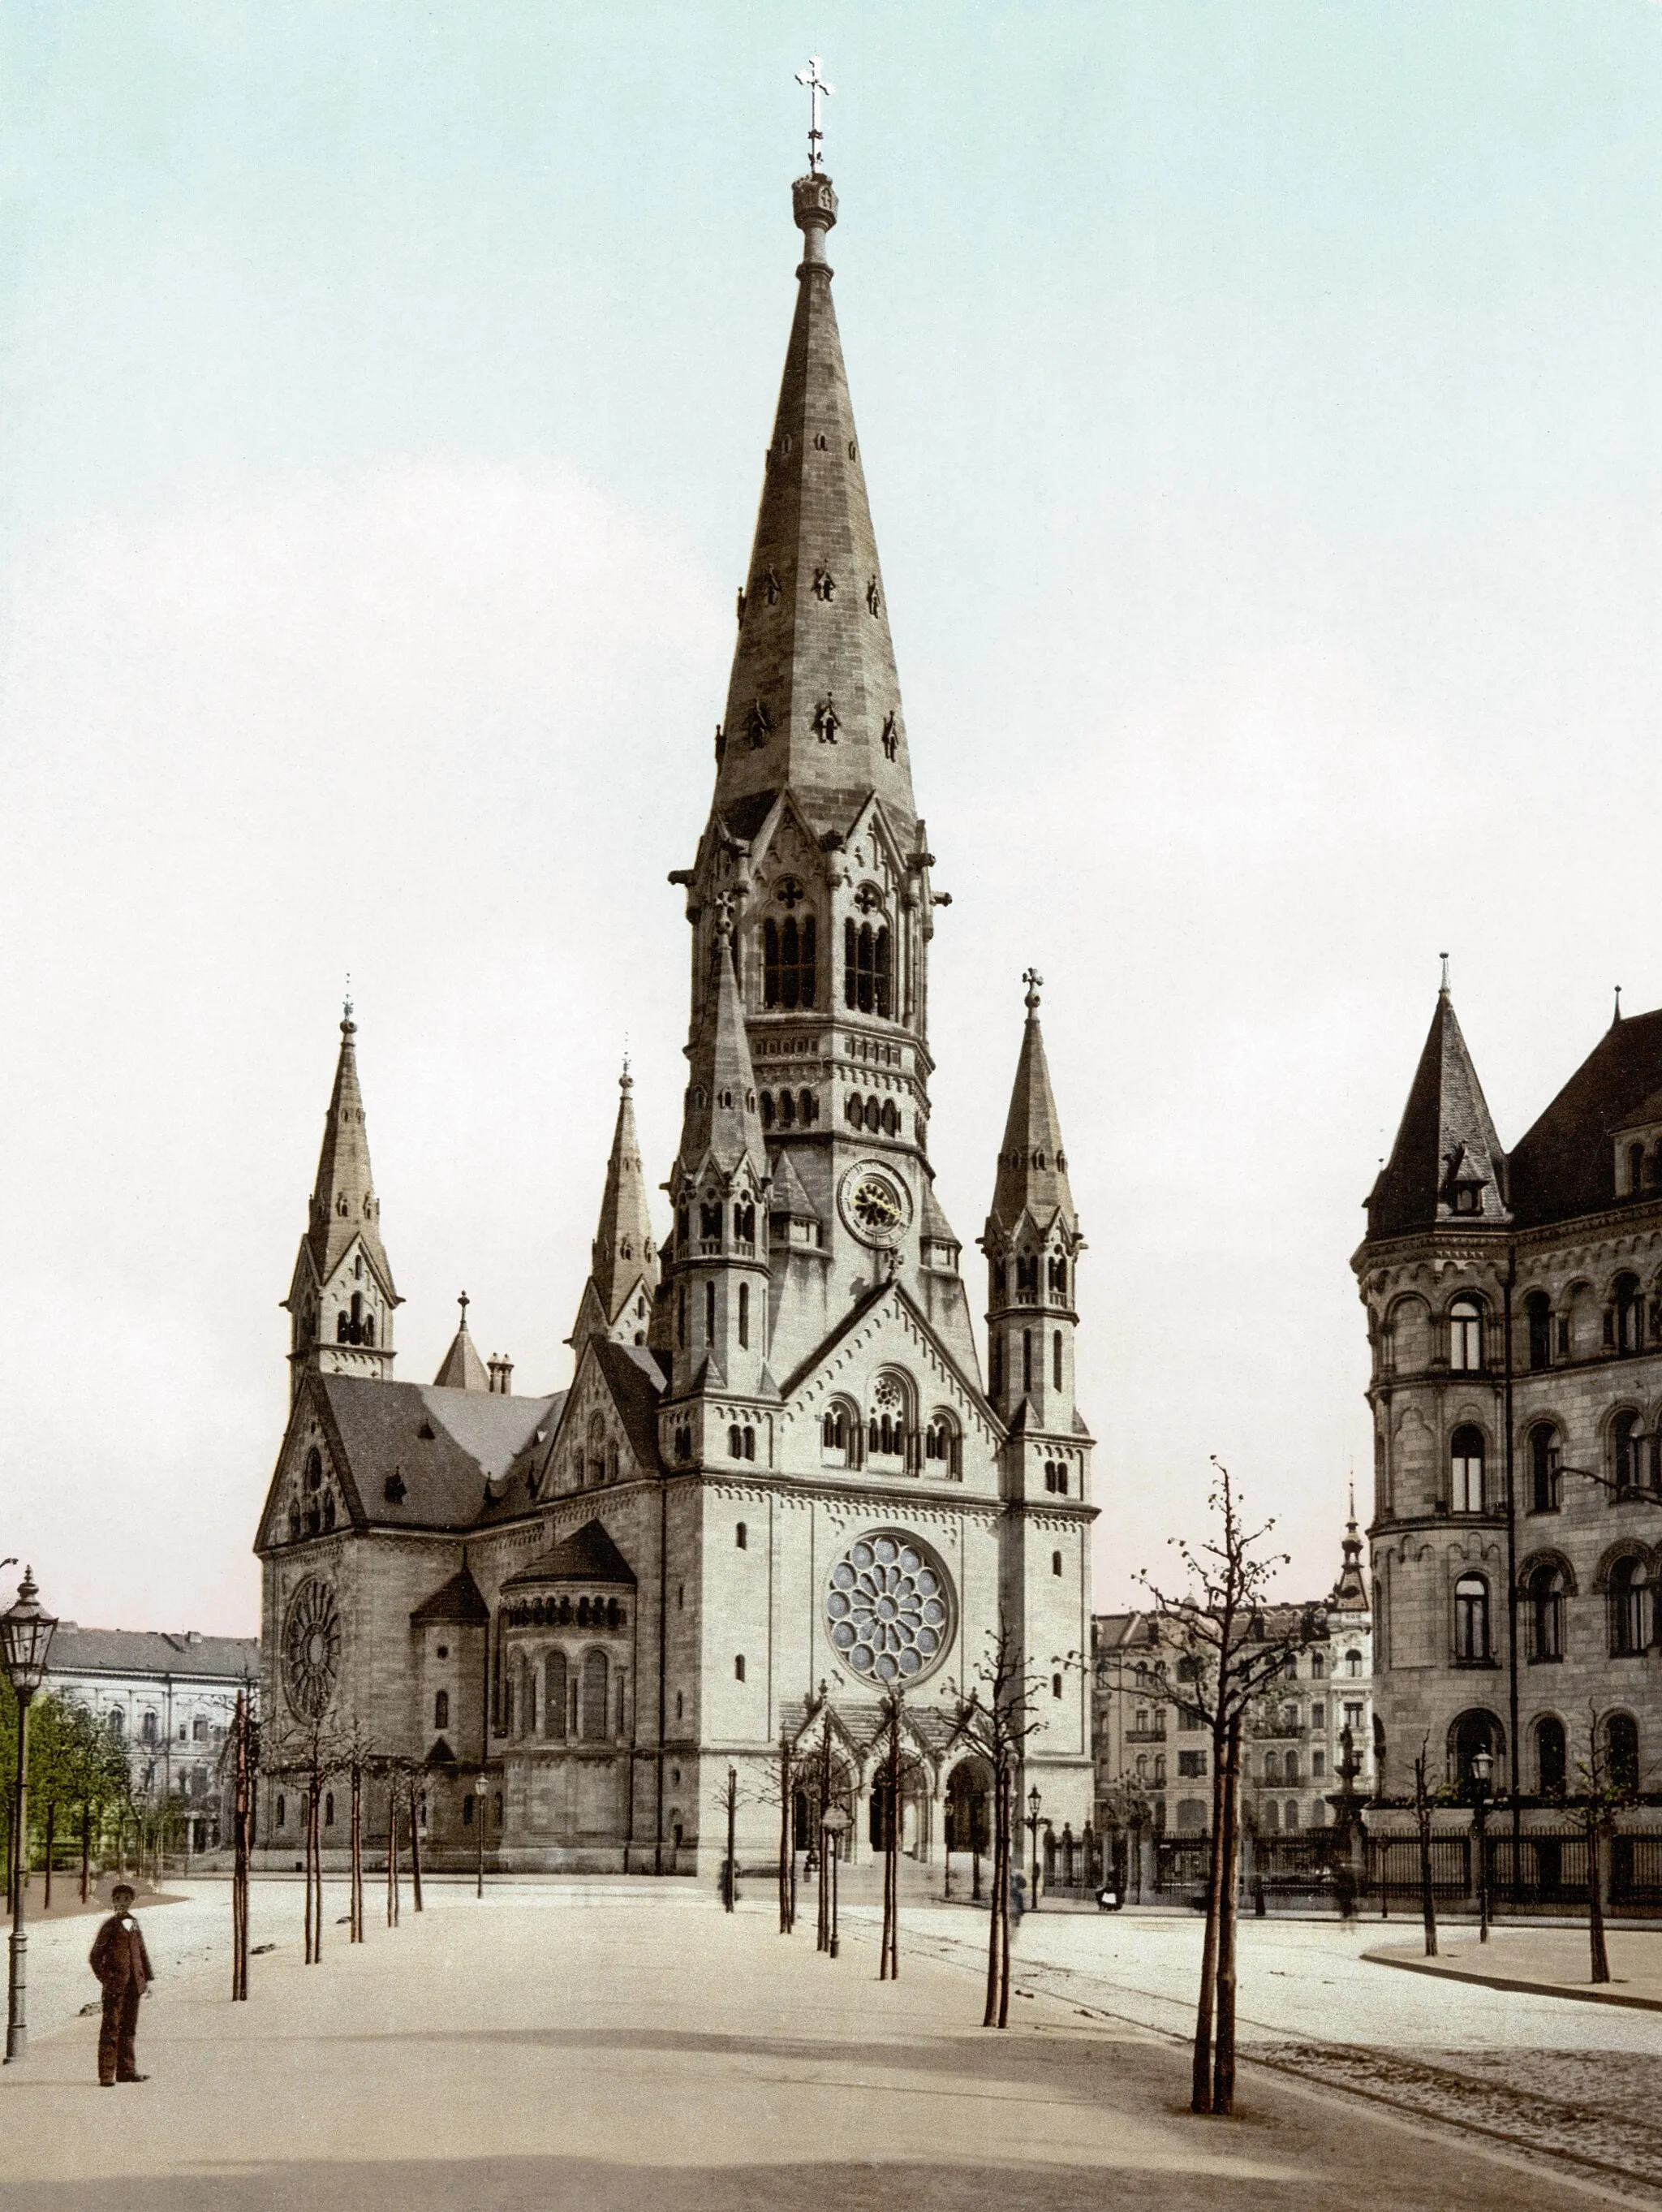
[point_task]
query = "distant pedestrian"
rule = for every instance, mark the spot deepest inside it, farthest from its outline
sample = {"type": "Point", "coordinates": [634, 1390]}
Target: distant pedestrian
{"type": "Point", "coordinates": [123, 1965]}
{"type": "Point", "coordinates": [1345, 1891]}
{"type": "Point", "coordinates": [1018, 1897]}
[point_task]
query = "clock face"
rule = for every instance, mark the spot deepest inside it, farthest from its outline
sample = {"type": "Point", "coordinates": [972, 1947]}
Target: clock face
{"type": "Point", "coordinates": [311, 1648]}
{"type": "Point", "coordinates": [876, 1206]}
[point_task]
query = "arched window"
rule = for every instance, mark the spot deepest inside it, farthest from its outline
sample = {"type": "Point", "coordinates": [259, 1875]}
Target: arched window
{"type": "Point", "coordinates": [441, 1709]}
{"type": "Point", "coordinates": [556, 1692]}
{"type": "Point", "coordinates": [1270, 1817]}
{"type": "Point", "coordinates": [865, 980]}
{"type": "Point", "coordinates": [741, 1537]}
{"type": "Point", "coordinates": [1466, 1453]}
{"type": "Point", "coordinates": [1473, 1732]}
{"type": "Point", "coordinates": [1289, 1816]}
{"type": "Point", "coordinates": [1538, 1307]}
{"type": "Point", "coordinates": [1352, 1663]}
{"type": "Point", "coordinates": [592, 1727]}
{"type": "Point", "coordinates": [1055, 1359]}
{"type": "Point", "coordinates": [282, 1811]}
{"type": "Point", "coordinates": [681, 1317]}
{"type": "Point", "coordinates": [1546, 1465]}
{"type": "Point", "coordinates": [1551, 1757]}
{"type": "Point", "coordinates": [1630, 1315]}
{"type": "Point", "coordinates": [329, 1809]}
{"type": "Point", "coordinates": [1621, 1752]}
{"type": "Point", "coordinates": [1628, 1445]}
{"type": "Point", "coordinates": [744, 1315]}
{"type": "Point", "coordinates": [1545, 1592]}
{"type": "Point", "coordinates": [709, 1313]}
{"type": "Point", "coordinates": [766, 1109]}
{"type": "Point", "coordinates": [1629, 1622]}
{"type": "Point", "coordinates": [1027, 1360]}
{"type": "Point", "coordinates": [789, 959]}
{"type": "Point", "coordinates": [1471, 1619]}
{"type": "Point", "coordinates": [833, 1432]}
{"type": "Point", "coordinates": [1465, 1335]}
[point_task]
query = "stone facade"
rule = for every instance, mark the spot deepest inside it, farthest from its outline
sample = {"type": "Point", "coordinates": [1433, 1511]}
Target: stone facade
{"type": "Point", "coordinates": [777, 1490]}
{"type": "Point", "coordinates": [1515, 1309]}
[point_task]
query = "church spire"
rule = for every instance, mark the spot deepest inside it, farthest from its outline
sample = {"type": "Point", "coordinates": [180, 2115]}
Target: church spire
{"type": "Point", "coordinates": [1033, 1168]}
{"type": "Point", "coordinates": [814, 702]}
{"type": "Point", "coordinates": [721, 1122]}
{"type": "Point", "coordinates": [617, 1298]}
{"type": "Point", "coordinates": [341, 1296]}
{"type": "Point", "coordinates": [461, 1368]}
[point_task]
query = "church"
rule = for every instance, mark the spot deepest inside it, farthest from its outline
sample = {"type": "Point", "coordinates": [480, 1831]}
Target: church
{"type": "Point", "coordinates": [779, 1492]}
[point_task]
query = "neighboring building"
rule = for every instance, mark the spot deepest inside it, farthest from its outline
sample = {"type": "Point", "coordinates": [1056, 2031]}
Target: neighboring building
{"type": "Point", "coordinates": [1153, 1753]}
{"type": "Point", "coordinates": [1514, 1309]}
{"type": "Point", "coordinates": [169, 1699]}
{"type": "Point", "coordinates": [777, 1485]}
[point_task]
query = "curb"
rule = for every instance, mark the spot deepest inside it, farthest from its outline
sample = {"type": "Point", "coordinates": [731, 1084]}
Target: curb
{"type": "Point", "coordinates": [1588, 1995]}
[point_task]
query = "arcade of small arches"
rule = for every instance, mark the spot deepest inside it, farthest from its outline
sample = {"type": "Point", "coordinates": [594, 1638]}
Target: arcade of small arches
{"type": "Point", "coordinates": [313, 1507]}
{"type": "Point", "coordinates": [1556, 1766]}
{"type": "Point", "coordinates": [1584, 1321]}
{"type": "Point", "coordinates": [889, 1429]}
{"type": "Point", "coordinates": [1027, 1266]}
{"type": "Point", "coordinates": [1626, 1456]}
{"type": "Point", "coordinates": [1627, 1584]}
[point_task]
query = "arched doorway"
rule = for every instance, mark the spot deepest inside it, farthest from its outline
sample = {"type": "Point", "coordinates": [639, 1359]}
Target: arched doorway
{"type": "Point", "coordinates": [913, 1812]}
{"type": "Point", "coordinates": [969, 1807]}
{"type": "Point", "coordinates": [1469, 1733]}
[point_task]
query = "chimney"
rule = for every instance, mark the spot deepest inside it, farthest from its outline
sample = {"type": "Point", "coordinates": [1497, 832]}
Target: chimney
{"type": "Point", "coordinates": [501, 1374]}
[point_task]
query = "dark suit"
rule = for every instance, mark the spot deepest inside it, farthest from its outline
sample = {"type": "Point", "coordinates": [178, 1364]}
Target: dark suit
{"type": "Point", "coordinates": [123, 1965]}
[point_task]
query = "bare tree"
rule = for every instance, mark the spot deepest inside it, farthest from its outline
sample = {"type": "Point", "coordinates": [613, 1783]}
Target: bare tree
{"type": "Point", "coordinates": [996, 1718]}
{"type": "Point", "coordinates": [311, 1752]}
{"type": "Point", "coordinates": [1608, 1787]}
{"type": "Point", "coordinates": [901, 1769]}
{"type": "Point", "coordinates": [1232, 1647]}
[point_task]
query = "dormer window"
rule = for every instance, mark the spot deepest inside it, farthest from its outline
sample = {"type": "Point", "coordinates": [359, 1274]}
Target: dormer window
{"type": "Point", "coordinates": [1466, 1198]}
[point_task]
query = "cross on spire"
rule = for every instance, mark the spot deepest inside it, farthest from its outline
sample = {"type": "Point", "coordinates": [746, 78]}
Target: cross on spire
{"type": "Point", "coordinates": [464, 1301]}
{"type": "Point", "coordinates": [1033, 980]}
{"type": "Point", "coordinates": [817, 86]}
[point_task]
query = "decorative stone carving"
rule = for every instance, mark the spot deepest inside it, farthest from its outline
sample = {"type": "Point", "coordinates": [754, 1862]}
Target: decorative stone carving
{"type": "Point", "coordinates": [758, 726]}
{"type": "Point", "coordinates": [825, 584]}
{"type": "Point", "coordinates": [772, 585]}
{"type": "Point", "coordinates": [827, 721]}
{"type": "Point", "coordinates": [891, 735]}
{"type": "Point", "coordinates": [873, 596]}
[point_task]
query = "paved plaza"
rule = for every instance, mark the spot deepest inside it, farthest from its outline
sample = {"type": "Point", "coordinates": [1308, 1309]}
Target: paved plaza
{"type": "Point", "coordinates": [614, 2047]}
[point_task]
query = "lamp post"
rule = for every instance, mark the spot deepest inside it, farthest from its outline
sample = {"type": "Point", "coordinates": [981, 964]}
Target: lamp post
{"type": "Point", "coordinates": [1483, 1765]}
{"type": "Point", "coordinates": [25, 1634]}
{"type": "Point", "coordinates": [835, 1823]}
{"type": "Point", "coordinates": [480, 1786]}
{"type": "Point", "coordinates": [1034, 1801]}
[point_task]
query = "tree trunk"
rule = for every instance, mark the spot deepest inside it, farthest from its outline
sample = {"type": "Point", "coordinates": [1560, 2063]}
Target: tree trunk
{"type": "Point", "coordinates": [888, 1964]}
{"type": "Point", "coordinates": [1427, 1896]}
{"type": "Point", "coordinates": [1601, 1972]}
{"type": "Point", "coordinates": [1200, 2072]}
{"type": "Point", "coordinates": [1224, 2060]}
{"type": "Point", "coordinates": [990, 2016]}
{"type": "Point", "coordinates": [239, 1863]}
{"type": "Point", "coordinates": [355, 1908]}
{"type": "Point", "coordinates": [86, 1852]}
{"type": "Point", "coordinates": [786, 1853]}
{"type": "Point", "coordinates": [414, 1852]}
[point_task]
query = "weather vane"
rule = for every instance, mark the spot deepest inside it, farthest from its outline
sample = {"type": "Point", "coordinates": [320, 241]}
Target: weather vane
{"type": "Point", "coordinates": [817, 84]}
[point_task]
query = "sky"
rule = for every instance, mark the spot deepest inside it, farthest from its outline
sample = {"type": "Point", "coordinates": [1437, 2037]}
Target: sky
{"type": "Point", "coordinates": [1258, 404]}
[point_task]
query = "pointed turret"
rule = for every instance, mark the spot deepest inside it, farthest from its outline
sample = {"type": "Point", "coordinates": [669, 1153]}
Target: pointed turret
{"type": "Point", "coordinates": [720, 1188]}
{"type": "Point", "coordinates": [1446, 1166]}
{"type": "Point", "coordinates": [1032, 1242]}
{"type": "Point", "coordinates": [1350, 1590]}
{"type": "Point", "coordinates": [815, 701]}
{"type": "Point", "coordinates": [462, 1368]}
{"type": "Point", "coordinates": [341, 1297]}
{"type": "Point", "coordinates": [617, 1298]}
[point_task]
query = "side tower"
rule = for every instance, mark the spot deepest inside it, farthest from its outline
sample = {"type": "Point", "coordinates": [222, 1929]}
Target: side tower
{"type": "Point", "coordinates": [617, 1298]}
{"type": "Point", "coordinates": [341, 1299]}
{"type": "Point", "coordinates": [1032, 1242]}
{"type": "Point", "coordinates": [1433, 1272]}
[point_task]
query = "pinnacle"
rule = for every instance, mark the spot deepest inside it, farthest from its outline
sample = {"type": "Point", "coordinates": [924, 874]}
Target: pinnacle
{"type": "Point", "coordinates": [623, 1250]}
{"type": "Point", "coordinates": [721, 1121]}
{"type": "Point", "coordinates": [462, 1368]}
{"type": "Point", "coordinates": [814, 701]}
{"type": "Point", "coordinates": [1447, 1162]}
{"type": "Point", "coordinates": [1033, 1168]}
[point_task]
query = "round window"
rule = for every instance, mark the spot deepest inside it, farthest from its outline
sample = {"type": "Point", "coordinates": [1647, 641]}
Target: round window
{"type": "Point", "coordinates": [311, 1648]}
{"type": "Point", "coordinates": [889, 1608]}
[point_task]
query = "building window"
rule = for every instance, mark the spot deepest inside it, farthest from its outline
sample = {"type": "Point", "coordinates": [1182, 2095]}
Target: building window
{"type": "Point", "coordinates": [1055, 1359]}
{"type": "Point", "coordinates": [1471, 1619]}
{"type": "Point", "coordinates": [1629, 1624]}
{"type": "Point", "coordinates": [744, 1315]}
{"type": "Point", "coordinates": [738, 1667]}
{"type": "Point", "coordinates": [1628, 1444]}
{"type": "Point", "coordinates": [1027, 1360]}
{"type": "Point", "coordinates": [789, 962]}
{"type": "Point", "coordinates": [1537, 1307]}
{"type": "Point", "coordinates": [596, 1682]}
{"type": "Point", "coordinates": [1318, 1666]}
{"type": "Point", "coordinates": [1056, 1562]}
{"type": "Point", "coordinates": [1056, 1685]}
{"type": "Point", "coordinates": [1352, 1665]}
{"type": "Point", "coordinates": [1630, 1315]}
{"type": "Point", "coordinates": [329, 1809]}
{"type": "Point", "coordinates": [680, 1705]}
{"type": "Point", "coordinates": [1621, 1752]}
{"type": "Point", "coordinates": [1466, 1470]}
{"type": "Point", "coordinates": [1546, 1466]}
{"type": "Point", "coordinates": [441, 1710]}
{"type": "Point", "coordinates": [1545, 1593]}
{"type": "Point", "coordinates": [740, 1535]}
{"type": "Point", "coordinates": [865, 978]}
{"type": "Point", "coordinates": [681, 1317]}
{"type": "Point", "coordinates": [709, 1313]}
{"type": "Point", "coordinates": [282, 1811]}
{"type": "Point", "coordinates": [1551, 1757]}
{"type": "Point", "coordinates": [1465, 1335]}
{"type": "Point", "coordinates": [556, 1692]}
{"type": "Point", "coordinates": [467, 1810]}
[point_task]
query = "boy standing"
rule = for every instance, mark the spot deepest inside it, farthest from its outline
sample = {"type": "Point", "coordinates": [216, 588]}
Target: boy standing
{"type": "Point", "coordinates": [123, 1965]}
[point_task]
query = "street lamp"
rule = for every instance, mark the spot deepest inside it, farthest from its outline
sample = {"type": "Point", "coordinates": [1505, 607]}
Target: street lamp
{"type": "Point", "coordinates": [1483, 1765]}
{"type": "Point", "coordinates": [25, 1634]}
{"type": "Point", "coordinates": [1034, 1801]}
{"type": "Point", "coordinates": [835, 1823]}
{"type": "Point", "coordinates": [481, 1785]}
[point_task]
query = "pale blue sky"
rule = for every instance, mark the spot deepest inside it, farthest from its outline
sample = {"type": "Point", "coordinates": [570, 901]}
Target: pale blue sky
{"type": "Point", "coordinates": [1259, 408]}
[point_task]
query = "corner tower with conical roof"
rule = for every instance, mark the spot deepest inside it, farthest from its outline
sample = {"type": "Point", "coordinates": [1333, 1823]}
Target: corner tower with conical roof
{"type": "Point", "coordinates": [341, 1299]}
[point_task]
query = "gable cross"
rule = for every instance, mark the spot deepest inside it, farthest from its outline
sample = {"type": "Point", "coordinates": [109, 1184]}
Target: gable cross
{"type": "Point", "coordinates": [817, 87]}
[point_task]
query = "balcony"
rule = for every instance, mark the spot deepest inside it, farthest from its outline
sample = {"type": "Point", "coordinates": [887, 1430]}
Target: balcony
{"type": "Point", "coordinates": [1145, 1735]}
{"type": "Point", "coordinates": [1281, 1732]}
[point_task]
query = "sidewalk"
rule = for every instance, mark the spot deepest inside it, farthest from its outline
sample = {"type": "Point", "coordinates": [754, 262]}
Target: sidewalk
{"type": "Point", "coordinates": [1544, 1961]}
{"type": "Point", "coordinates": [609, 2054]}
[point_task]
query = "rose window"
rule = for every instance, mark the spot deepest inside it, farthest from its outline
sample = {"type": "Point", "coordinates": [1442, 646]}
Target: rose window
{"type": "Point", "coordinates": [889, 1609]}
{"type": "Point", "coordinates": [311, 1648]}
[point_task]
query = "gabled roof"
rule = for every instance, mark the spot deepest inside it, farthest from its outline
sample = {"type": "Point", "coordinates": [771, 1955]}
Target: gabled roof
{"type": "Point", "coordinates": [1446, 1136]}
{"type": "Point", "coordinates": [587, 1556]}
{"type": "Point", "coordinates": [462, 1457]}
{"type": "Point", "coordinates": [859, 1312]}
{"type": "Point", "coordinates": [813, 640]}
{"type": "Point", "coordinates": [458, 1600]}
{"type": "Point", "coordinates": [1565, 1166]}
{"type": "Point", "coordinates": [636, 1381]}
{"type": "Point", "coordinates": [152, 1652]}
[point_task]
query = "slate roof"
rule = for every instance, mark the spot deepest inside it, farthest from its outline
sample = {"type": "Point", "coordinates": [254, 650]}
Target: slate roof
{"type": "Point", "coordinates": [636, 1381]}
{"type": "Point", "coordinates": [77, 1651]}
{"type": "Point", "coordinates": [1033, 1166]}
{"type": "Point", "coordinates": [1566, 1165]}
{"type": "Point", "coordinates": [1445, 1123]}
{"type": "Point", "coordinates": [477, 1438]}
{"type": "Point", "coordinates": [458, 1600]}
{"type": "Point", "coordinates": [589, 1555]}
{"type": "Point", "coordinates": [461, 1368]}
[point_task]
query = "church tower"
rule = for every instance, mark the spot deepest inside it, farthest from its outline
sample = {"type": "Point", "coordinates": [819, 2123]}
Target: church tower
{"type": "Point", "coordinates": [617, 1298]}
{"type": "Point", "coordinates": [815, 859]}
{"type": "Point", "coordinates": [341, 1299]}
